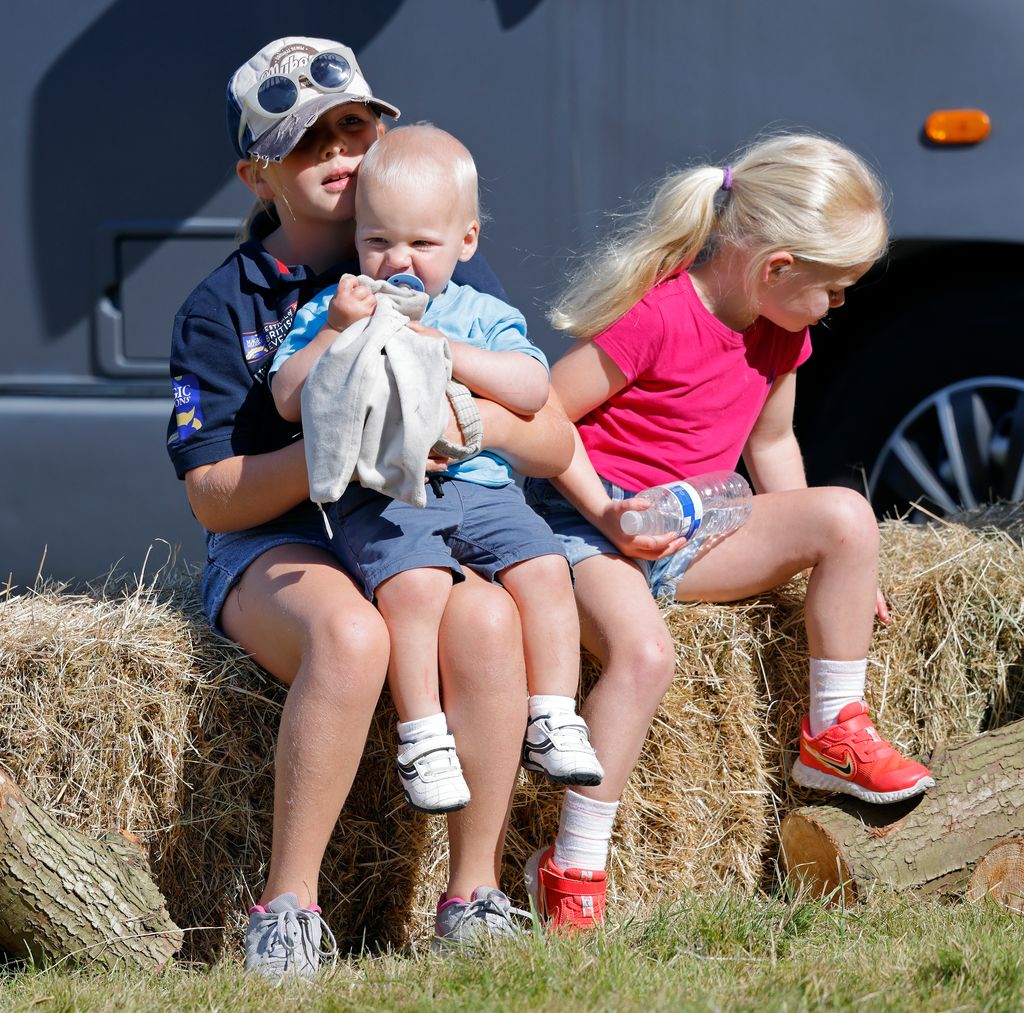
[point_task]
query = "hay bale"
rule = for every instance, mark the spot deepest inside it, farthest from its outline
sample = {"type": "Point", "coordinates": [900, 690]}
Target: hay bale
{"type": "Point", "coordinates": [120, 710]}
{"type": "Point", "coordinates": [697, 810]}
{"type": "Point", "coordinates": [993, 518]}
{"type": "Point", "coordinates": [950, 661]}
{"type": "Point", "coordinates": [105, 701]}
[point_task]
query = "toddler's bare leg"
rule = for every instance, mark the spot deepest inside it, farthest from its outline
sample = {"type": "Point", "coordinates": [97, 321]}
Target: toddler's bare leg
{"type": "Point", "coordinates": [557, 741]}
{"type": "Point", "coordinates": [542, 590]}
{"type": "Point", "coordinates": [412, 604]}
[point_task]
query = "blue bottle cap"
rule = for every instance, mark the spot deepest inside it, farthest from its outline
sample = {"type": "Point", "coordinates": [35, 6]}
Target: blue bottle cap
{"type": "Point", "coordinates": [407, 281]}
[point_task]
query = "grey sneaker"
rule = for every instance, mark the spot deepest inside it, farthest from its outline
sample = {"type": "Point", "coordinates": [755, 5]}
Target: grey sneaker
{"type": "Point", "coordinates": [488, 914]}
{"type": "Point", "coordinates": [284, 940]}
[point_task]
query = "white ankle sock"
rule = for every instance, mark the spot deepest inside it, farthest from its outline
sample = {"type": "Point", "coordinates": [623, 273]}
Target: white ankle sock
{"type": "Point", "coordinates": [422, 728]}
{"type": "Point", "coordinates": [584, 832]}
{"type": "Point", "coordinates": [548, 703]}
{"type": "Point", "coordinates": [834, 684]}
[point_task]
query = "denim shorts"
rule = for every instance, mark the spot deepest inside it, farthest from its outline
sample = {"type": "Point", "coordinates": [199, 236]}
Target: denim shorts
{"type": "Point", "coordinates": [229, 555]}
{"type": "Point", "coordinates": [581, 539]}
{"type": "Point", "coordinates": [487, 529]}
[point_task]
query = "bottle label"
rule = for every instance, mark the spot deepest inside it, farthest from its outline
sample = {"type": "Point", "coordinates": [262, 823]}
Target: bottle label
{"type": "Point", "coordinates": [693, 507]}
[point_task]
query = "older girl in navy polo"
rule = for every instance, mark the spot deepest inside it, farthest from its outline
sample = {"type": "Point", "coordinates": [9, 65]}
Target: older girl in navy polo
{"type": "Point", "coordinates": [301, 116]}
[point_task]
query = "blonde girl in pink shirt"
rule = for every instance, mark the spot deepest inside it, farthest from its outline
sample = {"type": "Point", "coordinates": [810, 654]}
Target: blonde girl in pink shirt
{"type": "Point", "coordinates": [690, 325]}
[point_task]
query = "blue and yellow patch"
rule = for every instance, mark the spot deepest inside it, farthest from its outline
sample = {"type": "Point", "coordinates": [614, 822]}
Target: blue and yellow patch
{"type": "Point", "coordinates": [188, 413]}
{"type": "Point", "coordinates": [255, 347]}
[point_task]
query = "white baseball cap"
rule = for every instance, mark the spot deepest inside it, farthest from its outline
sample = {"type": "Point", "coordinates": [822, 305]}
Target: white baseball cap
{"type": "Point", "coordinates": [278, 94]}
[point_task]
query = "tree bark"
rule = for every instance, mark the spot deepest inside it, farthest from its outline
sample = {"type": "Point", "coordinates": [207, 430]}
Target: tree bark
{"type": "Point", "coordinates": [929, 844]}
{"type": "Point", "coordinates": [65, 896]}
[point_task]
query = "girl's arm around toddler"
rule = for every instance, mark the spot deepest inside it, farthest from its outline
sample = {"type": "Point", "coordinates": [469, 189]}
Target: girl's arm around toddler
{"type": "Point", "coordinates": [512, 379]}
{"type": "Point", "coordinates": [539, 445]}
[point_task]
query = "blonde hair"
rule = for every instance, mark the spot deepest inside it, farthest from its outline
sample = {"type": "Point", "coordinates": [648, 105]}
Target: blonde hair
{"type": "Point", "coordinates": [424, 155]}
{"type": "Point", "coordinates": [258, 210]}
{"type": "Point", "coordinates": [795, 192]}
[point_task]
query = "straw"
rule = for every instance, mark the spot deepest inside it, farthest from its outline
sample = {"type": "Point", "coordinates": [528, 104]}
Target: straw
{"type": "Point", "coordinates": [119, 710]}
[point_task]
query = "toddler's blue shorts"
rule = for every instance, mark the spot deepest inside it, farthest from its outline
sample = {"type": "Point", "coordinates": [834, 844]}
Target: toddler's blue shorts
{"type": "Point", "coordinates": [485, 528]}
{"type": "Point", "coordinates": [229, 555]}
{"type": "Point", "coordinates": [581, 540]}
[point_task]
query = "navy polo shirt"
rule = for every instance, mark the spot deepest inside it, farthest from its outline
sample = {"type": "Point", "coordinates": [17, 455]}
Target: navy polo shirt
{"type": "Point", "coordinates": [224, 340]}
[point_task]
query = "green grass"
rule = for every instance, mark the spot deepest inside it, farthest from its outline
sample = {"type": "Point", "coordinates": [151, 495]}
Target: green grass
{"type": "Point", "coordinates": [725, 953]}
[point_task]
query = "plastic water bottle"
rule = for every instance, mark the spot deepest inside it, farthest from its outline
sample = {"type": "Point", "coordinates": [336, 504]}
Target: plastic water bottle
{"type": "Point", "coordinates": [707, 506]}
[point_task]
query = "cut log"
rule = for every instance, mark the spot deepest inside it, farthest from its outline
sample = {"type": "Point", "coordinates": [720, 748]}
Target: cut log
{"type": "Point", "coordinates": [64, 896]}
{"type": "Point", "coordinates": [929, 844]}
{"type": "Point", "coordinates": [1000, 875]}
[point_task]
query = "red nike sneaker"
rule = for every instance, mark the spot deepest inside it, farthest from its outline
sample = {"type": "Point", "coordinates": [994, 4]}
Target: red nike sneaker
{"type": "Point", "coordinates": [852, 757]}
{"type": "Point", "coordinates": [565, 899]}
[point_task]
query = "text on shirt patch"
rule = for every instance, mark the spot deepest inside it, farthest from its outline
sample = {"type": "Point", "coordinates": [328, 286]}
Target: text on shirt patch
{"type": "Point", "coordinates": [188, 413]}
{"type": "Point", "coordinates": [256, 345]}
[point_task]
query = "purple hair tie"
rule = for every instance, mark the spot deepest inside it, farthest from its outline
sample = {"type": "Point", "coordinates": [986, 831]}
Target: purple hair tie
{"type": "Point", "coordinates": [727, 178]}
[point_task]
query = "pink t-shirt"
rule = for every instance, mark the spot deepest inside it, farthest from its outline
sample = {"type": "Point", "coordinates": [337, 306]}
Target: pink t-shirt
{"type": "Point", "coordinates": [695, 388]}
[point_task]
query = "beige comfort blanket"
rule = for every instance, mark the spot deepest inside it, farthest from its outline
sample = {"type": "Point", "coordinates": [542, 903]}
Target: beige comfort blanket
{"type": "Point", "coordinates": [376, 403]}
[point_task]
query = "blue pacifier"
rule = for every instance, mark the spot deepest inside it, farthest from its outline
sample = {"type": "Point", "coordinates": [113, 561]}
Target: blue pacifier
{"type": "Point", "coordinates": [407, 281]}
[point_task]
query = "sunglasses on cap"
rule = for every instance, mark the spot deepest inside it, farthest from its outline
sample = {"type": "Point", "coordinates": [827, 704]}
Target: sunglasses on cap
{"type": "Point", "coordinates": [278, 94]}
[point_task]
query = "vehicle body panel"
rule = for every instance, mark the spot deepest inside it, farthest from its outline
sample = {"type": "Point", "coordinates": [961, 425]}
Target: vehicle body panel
{"type": "Point", "coordinates": [120, 192]}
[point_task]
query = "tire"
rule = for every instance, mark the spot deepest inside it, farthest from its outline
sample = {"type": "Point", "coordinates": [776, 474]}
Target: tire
{"type": "Point", "coordinates": [927, 414]}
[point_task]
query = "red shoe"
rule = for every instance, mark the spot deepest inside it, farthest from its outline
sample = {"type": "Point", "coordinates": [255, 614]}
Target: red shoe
{"type": "Point", "coordinates": [851, 757]}
{"type": "Point", "coordinates": [566, 899]}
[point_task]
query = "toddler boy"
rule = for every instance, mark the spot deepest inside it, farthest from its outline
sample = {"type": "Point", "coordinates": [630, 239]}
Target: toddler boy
{"type": "Point", "coordinates": [417, 213]}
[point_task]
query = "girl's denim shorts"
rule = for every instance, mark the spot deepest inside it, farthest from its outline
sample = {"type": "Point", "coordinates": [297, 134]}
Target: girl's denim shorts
{"type": "Point", "coordinates": [229, 555]}
{"type": "Point", "coordinates": [581, 539]}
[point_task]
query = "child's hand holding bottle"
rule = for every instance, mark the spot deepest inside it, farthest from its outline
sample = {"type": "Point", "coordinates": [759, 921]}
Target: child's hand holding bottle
{"type": "Point", "coordinates": [638, 546]}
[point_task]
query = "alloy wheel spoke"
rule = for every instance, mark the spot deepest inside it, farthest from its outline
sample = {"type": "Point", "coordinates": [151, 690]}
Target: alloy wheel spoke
{"type": "Point", "coordinates": [930, 484]}
{"type": "Point", "coordinates": [959, 448]}
{"type": "Point", "coordinates": [1013, 487]}
{"type": "Point", "coordinates": [952, 425]}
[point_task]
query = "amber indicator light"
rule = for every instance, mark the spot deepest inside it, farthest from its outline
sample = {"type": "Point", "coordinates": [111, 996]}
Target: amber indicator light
{"type": "Point", "coordinates": [957, 126]}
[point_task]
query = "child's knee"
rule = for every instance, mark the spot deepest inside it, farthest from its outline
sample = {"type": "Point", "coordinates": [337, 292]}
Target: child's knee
{"type": "Point", "coordinates": [851, 521]}
{"type": "Point", "coordinates": [542, 573]}
{"type": "Point", "coordinates": [362, 636]}
{"type": "Point", "coordinates": [646, 660]}
{"type": "Point", "coordinates": [482, 612]}
{"type": "Point", "coordinates": [346, 657]}
{"type": "Point", "coordinates": [423, 591]}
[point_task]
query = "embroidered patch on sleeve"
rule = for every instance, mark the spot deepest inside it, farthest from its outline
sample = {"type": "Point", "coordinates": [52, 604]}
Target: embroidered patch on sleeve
{"type": "Point", "coordinates": [188, 413]}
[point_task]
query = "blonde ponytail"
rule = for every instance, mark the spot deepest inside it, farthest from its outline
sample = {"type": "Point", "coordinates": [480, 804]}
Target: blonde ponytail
{"type": "Point", "coordinates": [665, 236]}
{"type": "Point", "coordinates": [796, 192]}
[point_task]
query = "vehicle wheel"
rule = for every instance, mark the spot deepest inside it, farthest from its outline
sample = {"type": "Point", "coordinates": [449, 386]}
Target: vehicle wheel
{"type": "Point", "coordinates": [958, 448]}
{"type": "Point", "coordinates": [927, 414]}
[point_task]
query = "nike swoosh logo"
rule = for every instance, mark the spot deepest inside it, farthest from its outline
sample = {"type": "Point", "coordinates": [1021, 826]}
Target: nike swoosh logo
{"type": "Point", "coordinates": [846, 769]}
